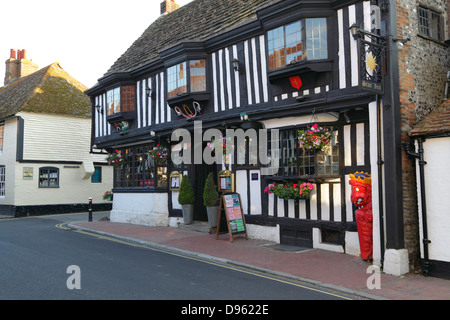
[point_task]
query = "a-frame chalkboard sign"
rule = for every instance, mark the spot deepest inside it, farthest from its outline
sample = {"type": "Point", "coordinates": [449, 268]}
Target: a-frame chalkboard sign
{"type": "Point", "coordinates": [231, 217]}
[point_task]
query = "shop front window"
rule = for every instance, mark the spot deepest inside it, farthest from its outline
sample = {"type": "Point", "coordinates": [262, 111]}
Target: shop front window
{"type": "Point", "coordinates": [140, 171]}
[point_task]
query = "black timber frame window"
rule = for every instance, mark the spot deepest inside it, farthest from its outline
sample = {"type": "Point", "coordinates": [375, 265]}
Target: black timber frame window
{"type": "Point", "coordinates": [430, 23]}
{"type": "Point", "coordinates": [48, 177]}
{"type": "Point", "coordinates": [140, 171]}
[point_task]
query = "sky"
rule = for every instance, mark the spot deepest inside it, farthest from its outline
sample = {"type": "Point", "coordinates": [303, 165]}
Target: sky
{"type": "Point", "coordinates": [86, 37]}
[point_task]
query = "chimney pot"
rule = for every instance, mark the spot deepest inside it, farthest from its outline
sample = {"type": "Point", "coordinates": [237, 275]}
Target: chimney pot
{"type": "Point", "coordinates": [13, 54]}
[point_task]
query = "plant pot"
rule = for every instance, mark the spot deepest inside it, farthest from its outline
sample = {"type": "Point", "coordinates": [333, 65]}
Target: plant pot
{"type": "Point", "coordinates": [213, 214]}
{"type": "Point", "coordinates": [188, 213]}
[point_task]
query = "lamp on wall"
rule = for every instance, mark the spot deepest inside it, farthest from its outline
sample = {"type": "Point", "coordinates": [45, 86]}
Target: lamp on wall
{"type": "Point", "coordinates": [149, 92]}
{"type": "Point", "coordinates": [401, 42]}
{"type": "Point", "coordinates": [235, 63]}
{"type": "Point", "coordinates": [99, 109]}
{"type": "Point", "coordinates": [355, 31]}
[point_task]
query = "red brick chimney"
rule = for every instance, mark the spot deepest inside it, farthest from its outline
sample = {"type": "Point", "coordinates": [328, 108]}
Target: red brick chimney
{"type": "Point", "coordinates": [168, 6]}
{"type": "Point", "coordinates": [18, 66]}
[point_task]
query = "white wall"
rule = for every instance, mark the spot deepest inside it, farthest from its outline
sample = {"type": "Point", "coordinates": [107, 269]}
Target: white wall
{"type": "Point", "coordinates": [149, 209]}
{"type": "Point", "coordinates": [437, 186]}
{"type": "Point", "coordinates": [8, 159]}
{"type": "Point", "coordinates": [48, 141]}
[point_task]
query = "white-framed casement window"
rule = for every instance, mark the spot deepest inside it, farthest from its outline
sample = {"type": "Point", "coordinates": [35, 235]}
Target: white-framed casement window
{"type": "Point", "coordinates": [2, 181]}
{"type": "Point", "coordinates": [2, 133]}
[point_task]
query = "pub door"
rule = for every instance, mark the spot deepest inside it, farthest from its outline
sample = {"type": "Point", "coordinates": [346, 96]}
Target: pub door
{"type": "Point", "coordinates": [200, 174]}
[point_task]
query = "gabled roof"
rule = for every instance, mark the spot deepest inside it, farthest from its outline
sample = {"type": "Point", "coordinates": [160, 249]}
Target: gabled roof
{"type": "Point", "coordinates": [437, 122]}
{"type": "Point", "coordinates": [195, 21]}
{"type": "Point", "coordinates": [49, 90]}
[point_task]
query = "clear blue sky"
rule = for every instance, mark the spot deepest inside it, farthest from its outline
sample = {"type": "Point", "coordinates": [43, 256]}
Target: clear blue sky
{"type": "Point", "coordinates": [85, 36]}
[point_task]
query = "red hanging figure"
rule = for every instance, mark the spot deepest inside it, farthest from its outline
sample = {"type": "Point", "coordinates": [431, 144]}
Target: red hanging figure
{"type": "Point", "coordinates": [362, 198]}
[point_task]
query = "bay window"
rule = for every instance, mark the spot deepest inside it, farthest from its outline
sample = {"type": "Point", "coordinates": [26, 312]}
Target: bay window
{"type": "Point", "coordinates": [186, 77]}
{"type": "Point", "coordinates": [297, 41]}
{"type": "Point", "coordinates": [121, 99]}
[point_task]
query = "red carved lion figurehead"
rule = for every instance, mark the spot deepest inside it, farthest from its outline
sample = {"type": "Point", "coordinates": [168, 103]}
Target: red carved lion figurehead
{"type": "Point", "coordinates": [361, 189]}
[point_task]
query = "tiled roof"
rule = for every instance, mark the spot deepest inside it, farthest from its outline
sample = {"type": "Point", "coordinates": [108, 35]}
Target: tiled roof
{"type": "Point", "coordinates": [436, 122]}
{"type": "Point", "coordinates": [49, 90]}
{"type": "Point", "coordinates": [196, 21]}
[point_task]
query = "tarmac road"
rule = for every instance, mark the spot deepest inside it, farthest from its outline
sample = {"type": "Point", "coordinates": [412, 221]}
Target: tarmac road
{"type": "Point", "coordinates": [41, 259]}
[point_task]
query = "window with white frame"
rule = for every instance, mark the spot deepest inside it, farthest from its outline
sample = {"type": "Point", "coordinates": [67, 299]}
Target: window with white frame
{"type": "Point", "coordinates": [2, 181]}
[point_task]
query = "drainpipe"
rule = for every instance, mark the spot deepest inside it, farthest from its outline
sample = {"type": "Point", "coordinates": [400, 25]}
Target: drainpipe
{"type": "Point", "coordinates": [426, 262]}
{"type": "Point", "coordinates": [380, 163]}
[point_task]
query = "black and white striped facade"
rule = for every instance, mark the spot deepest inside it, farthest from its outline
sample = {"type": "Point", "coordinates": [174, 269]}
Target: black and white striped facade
{"type": "Point", "coordinates": [251, 90]}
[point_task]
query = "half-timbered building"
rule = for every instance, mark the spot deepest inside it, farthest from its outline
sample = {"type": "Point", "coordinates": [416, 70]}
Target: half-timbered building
{"type": "Point", "coordinates": [268, 65]}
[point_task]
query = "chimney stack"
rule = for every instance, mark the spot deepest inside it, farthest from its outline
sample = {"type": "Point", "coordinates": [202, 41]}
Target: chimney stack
{"type": "Point", "coordinates": [18, 66]}
{"type": "Point", "coordinates": [168, 6]}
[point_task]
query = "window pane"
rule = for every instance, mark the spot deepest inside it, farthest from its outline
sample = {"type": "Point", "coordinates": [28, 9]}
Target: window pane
{"type": "Point", "coordinates": [113, 101]}
{"type": "Point", "coordinates": [171, 82]}
{"type": "Point", "coordinates": [294, 51]}
{"type": "Point", "coordinates": [276, 48]}
{"type": "Point", "coordinates": [128, 96]}
{"type": "Point", "coordinates": [316, 38]}
{"type": "Point", "coordinates": [423, 22]}
{"type": "Point", "coordinates": [97, 175]}
{"type": "Point", "coordinates": [198, 75]}
{"type": "Point", "coordinates": [181, 78]}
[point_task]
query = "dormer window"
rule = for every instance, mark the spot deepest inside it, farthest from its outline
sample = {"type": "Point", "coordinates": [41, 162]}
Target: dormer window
{"type": "Point", "coordinates": [186, 77]}
{"type": "Point", "coordinates": [297, 41]}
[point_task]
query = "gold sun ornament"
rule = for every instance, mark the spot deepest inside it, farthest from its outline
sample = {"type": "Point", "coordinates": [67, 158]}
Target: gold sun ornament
{"type": "Point", "coordinates": [371, 63]}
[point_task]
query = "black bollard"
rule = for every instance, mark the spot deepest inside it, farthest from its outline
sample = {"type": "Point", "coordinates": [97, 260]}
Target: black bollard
{"type": "Point", "coordinates": [90, 209]}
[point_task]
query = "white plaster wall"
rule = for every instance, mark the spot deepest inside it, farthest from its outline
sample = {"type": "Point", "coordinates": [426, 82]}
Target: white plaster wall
{"type": "Point", "coordinates": [149, 209]}
{"type": "Point", "coordinates": [8, 159]}
{"type": "Point", "coordinates": [437, 186]}
{"type": "Point", "coordinates": [72, 187]}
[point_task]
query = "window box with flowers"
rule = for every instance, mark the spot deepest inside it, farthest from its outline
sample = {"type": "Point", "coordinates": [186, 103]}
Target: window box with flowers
{"type": "Point", "coordinates": [288, 191]}
{"type": "Point", "coordinates": [108, 196]}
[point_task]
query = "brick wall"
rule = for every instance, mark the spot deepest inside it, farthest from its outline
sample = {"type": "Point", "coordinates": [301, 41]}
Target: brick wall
{"type": "Point", "coordinates": [423, 65]}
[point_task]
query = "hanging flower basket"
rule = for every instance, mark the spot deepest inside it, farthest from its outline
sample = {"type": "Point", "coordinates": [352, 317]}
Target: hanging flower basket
{"type": "Point", "coordinates": [301, 190]}
{"type": "Point", "coordinates": [314, 137]}
{"type": "Point", "coordinates": [115, 159]}
{"type": "Point", "coordinates": [221, 143]}
{"type": "Point", "coordinates": [159, 154]}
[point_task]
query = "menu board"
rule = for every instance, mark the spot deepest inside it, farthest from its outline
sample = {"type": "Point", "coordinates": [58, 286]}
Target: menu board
{"type": "Point", "coordinates": [231, 209]}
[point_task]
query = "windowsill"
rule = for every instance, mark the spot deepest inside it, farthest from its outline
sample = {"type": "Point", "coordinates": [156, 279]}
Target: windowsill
{"type": "Point", "coordinates": [188, 97]}
{"type": "Point", "coordinates": [121, 116]}
{"type": "Point", "coordinates": [317, 66]}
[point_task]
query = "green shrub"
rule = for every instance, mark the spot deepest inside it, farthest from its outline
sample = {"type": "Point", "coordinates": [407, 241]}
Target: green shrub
{"type": "Point", "coordinates": [186, 195]}
{"type": "Point", "coordinates": [210, 194]}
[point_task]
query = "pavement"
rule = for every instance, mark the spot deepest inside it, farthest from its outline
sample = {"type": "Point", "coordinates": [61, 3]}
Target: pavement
{"type": "Point", "coordinates": [327, 269]}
